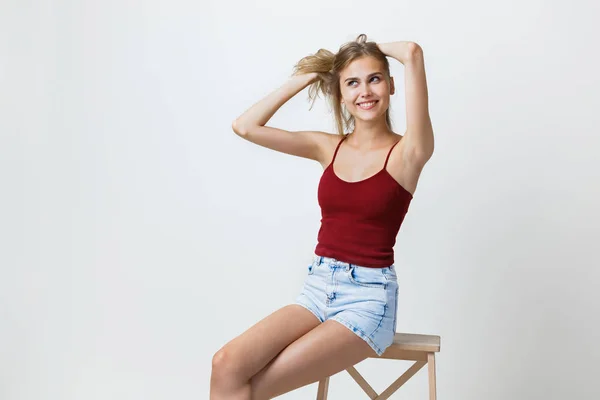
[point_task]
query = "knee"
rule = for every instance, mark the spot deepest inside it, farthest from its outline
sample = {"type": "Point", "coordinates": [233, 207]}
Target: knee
{"type": "Point", "coordinates": [226, 382]}
{"type": "Point", "coordinates": [224, 365]}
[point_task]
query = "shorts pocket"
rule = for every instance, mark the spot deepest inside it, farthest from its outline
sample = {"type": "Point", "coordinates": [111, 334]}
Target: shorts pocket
{"type": "Point", "coordinates": [368, 277]}
{"type": "Point", "coordinates": [390, 273]}
{"type": "Point", "coordinates": [311, 269]}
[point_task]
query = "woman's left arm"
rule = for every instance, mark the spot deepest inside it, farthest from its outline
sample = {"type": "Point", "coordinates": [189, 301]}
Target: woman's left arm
{"type": "Point", "coordinates": [419, 143]}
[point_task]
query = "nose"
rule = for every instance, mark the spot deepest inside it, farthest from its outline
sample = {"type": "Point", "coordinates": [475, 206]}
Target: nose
{"type": "Point", "coordinates": [365, 91]}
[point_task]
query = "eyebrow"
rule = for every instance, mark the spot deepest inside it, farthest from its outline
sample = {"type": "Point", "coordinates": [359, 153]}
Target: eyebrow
{"type": "Point", "coordinates": [356, 78]}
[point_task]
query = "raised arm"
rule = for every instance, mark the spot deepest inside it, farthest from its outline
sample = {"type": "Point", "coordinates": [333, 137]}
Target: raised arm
{"type": "Point", "coordinates": [251, 124]}
{"type": "Point", "coordinates": [419, 142]}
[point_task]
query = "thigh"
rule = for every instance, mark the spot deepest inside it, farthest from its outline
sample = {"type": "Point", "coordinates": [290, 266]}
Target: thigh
{"type": "Point", "coordinates": [324, 351]}
{"type": "Point", "coordinates": [249, 352]}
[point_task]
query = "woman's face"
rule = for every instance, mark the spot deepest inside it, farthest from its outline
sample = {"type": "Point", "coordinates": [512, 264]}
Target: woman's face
{"type": "Point", "coordinates": [364, 81]}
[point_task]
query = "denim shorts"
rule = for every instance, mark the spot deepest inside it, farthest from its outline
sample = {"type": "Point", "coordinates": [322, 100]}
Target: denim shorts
{"type": "Point", "coordinates": [363, 299]}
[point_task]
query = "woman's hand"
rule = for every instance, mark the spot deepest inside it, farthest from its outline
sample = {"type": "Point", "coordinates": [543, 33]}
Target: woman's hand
{"type": "Point", "coordinates": [401, 50]}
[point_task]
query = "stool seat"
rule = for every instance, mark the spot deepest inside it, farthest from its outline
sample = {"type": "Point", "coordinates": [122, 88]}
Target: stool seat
{"type": "Point", "coordinates": [416, 342]}
{"type": "Point", "coordinates": [411, 346]}
{"type": "Point", "coordinates": [406, 346]}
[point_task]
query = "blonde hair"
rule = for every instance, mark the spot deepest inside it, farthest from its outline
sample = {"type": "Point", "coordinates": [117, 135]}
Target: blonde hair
{"type": "Point", "coordinates": [328, 67]}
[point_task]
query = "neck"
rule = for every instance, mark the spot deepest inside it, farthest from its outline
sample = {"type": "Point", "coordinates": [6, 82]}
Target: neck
{"type": "Point", "coordinates": [370, 134]}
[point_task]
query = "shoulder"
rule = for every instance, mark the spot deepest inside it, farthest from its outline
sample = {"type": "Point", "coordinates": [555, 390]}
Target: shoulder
{"type": "Point", "coordinates": [327, 143]}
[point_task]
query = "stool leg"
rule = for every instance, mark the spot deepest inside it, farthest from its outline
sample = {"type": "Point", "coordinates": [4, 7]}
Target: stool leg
{"type": "Point", "coordinates": [323, 388]}
{"type": "Point", "coordinates": [431, 368]}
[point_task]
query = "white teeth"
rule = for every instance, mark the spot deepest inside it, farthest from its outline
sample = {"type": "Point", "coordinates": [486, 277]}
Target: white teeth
{"type": "Point", "coordinates": [366, 105]}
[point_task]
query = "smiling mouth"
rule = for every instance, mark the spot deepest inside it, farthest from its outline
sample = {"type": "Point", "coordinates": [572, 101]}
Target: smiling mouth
{"type": "Point", "coordinates": [367, 104]}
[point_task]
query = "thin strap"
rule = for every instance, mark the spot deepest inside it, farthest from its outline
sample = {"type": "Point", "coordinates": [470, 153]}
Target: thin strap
{"type": "Point", "coordinates": [338, 147]}
{"type": "Point", "coordinates": [390, 152]}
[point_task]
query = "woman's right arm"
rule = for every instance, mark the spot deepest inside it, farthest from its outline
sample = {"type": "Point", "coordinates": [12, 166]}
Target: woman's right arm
{"type": "Point", "coordinates": [251, 124]}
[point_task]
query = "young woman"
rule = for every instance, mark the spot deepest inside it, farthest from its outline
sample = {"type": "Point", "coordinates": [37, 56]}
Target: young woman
{"type": "Point", "coordinates": [346, 311]}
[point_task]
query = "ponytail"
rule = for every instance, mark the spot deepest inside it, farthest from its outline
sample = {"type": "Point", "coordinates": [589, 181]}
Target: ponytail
{"type": "Point", "coordinates": [321, 63]}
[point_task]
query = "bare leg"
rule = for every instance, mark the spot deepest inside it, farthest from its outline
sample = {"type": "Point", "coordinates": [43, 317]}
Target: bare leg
{"type": "Point", "coordinates": [239, 360]}
{"type": "Point", "coordinates": [322, 352]}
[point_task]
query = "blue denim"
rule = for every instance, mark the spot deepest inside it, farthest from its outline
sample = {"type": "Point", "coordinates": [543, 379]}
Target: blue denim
{"type": "Point", "coordinates": [361, 298]}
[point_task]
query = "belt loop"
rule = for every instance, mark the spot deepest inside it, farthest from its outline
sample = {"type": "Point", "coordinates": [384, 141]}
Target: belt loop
{"type": "Point", "coordinates": [319, 258]}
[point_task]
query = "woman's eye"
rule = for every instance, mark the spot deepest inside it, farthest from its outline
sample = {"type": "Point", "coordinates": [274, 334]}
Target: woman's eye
{"type": "Point", "coordinates": [374, 77]}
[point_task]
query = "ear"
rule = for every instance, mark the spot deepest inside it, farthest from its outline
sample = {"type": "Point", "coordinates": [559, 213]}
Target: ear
{"type": "Point", "coordinates": [392, 86]}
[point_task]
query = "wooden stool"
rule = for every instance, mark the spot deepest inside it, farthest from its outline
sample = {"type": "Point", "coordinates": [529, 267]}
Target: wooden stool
{"type": "Point", "coordinates": [406, 346]}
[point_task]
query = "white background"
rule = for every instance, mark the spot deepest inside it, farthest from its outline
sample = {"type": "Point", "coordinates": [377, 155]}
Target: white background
{"type": "Point", "coordinates": [139, 234]}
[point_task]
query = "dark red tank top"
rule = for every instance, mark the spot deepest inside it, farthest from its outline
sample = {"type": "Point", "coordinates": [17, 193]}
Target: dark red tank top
{"type": "Point", "coordinates": [360, 220]}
